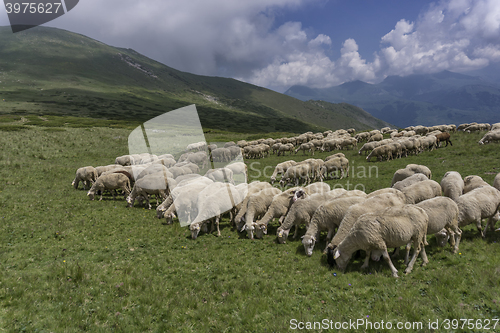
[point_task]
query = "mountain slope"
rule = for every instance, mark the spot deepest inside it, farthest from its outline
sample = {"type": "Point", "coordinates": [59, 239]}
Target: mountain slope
{"type": "Point", "coordinates": [429, 99]}
{"type": "Point", "coordinates": [52, 71]}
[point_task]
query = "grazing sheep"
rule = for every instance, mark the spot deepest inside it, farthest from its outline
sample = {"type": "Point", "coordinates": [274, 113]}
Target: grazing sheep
{"type": "Point", "coordinates": [301, 212]}
{"type": "Point", "coordinates": [370, 205]}
{"type": "Point", "coordinates": [480, 203]}
{"type": "Point", "coordinates": [418, 177]}
{"type": "Point", "coordinates": [239, 170]}
{"type": "Point", "coordinates": [87, 175]}
{"type": "Point", "coordinates": [124, 160]}
{"type": "Point", "coordinates": [380, 152]}
{"type": "Point", "coordinates": [101, 169]}
{"type": "Point", "coordinates": [315, 165]}
{"type": "Point", "coordinates": [220, 175]}
{"type": "Point", "coordinates": [153, 184]}
{"type": "Point", "coordinates": [110, 182]}
{"type": "Point", "coordinates": [296, 173]}
{"type": "Point", "coordinates": [393, 227]}
{"type": "Point", "coordinates": [417, 168]}
{"type": "Point", "coordinates": [369, 146]}
{"type": "Point", "coordinates": [473, 182]}
{"type": "Point", "coordinates": [334, 156]}
{"type": "Point", "coordinates": [445, 136]}
{"type": "Point", "coordinates": [376, 137]}
{"type": "Point", "coordinates": [213, 206]}
{"type": "Point", "coordinates": [284, 148]}
{"type": "Point", "coordinates": [410, 170]}
{"type": "Point", "coordinates": [452, 185]}
{"type": "Point", "coordinates": [492, 136]}
{"type": "Point", "coordinates": [421, 191]}
{"type": "Point", "coordinates": [253, 188]}
{"type": "Point", "coordinates": [281, 169]}
{"type": "Point", "coordinates": [306, 146]}
{"type": "Point", "coordinates": [327, 217]}
{"type": "Point", "coordinates": [220, 155]}
{"type": "Point", "coordinates": [384, 191]}
{"type": "Point", "coordinates": [333, 165]}
{"type": "Point", "coordinates": [257, 206]}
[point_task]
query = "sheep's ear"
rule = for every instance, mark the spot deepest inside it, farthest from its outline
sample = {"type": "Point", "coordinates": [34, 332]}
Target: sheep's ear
{"type": "Point", "coordinates": [336, 254]}
{"type": "Point", "coordinates": [244, 228]}
{"type": "Point", "coordinates": [280, 233]}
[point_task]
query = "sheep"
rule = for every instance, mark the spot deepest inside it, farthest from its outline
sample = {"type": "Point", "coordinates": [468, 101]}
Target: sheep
{"type": "Point", "coordinates": [306, 146]}
{"type": "Point", "coordinates": [220, 155]}
{"type": "Point", "coordinates": [101, 169]}
{"type": "Point", "coordinates": [492, 136]}
{"type": "Point", "coordinates": [376, 137]}
{"type": "Point", "coordinates": [334, 156]}
{"type": "Point", "coordinates": [393, 227]}
{"type": "Point", "coordinates": [452, 185]}
{"type": "Point", "coordinates": [87, 175]}
{"type": "Point", "coordinates": [301, 212]}
{"type": "Point", "coordinates": [284, 148]}
{"type": "Point", "coordinates": [253, 188]}
{"type": "Point", "coordinates": [370, 205]}
{"type": "Point", "coordinates": [333, 165]}
{"type": "Point", "coordinates": [220, 175]}
{"type": "Point", "coordinates": [443, 137]}
{"type": "Point", "coordinates": [327, 217]}
{"type": "Point", "coordinates": [257, 206]}
{"type": "Point", "coordinates": [238, 168]}
{"type": "Point", "coordinates": [384, 191]}
{"type": "Point", "coordinates": [480, 203]}
{"type": "Point", "coordinates": [410, 170]}
{"type": "Point", "coordinates": [380, 152]}
{"type": "Point", "coordinates": [315, 167]}
{"type": "Point", "coordinates": [421, 191]}
{"type": "Point", "coordinates": [199, 158]}
{"type": "Point", "coordinates": [212, 207]}
{"type": "Point", "coordinates": [281, 168]}
{"type": "Point", "coordinates": [123, 160]}
{"type": "Point", "coordinates": [417, 168]}
{"type": "Point", "coordinates": [296, 173]}
{"type": "Point", "coordinates": [110, 182]}
{"type": "Point", "coordinates": [473, 182]}
{"type": "Point", "coordinates": [369, 146]}
{"type": "Point", "coordinates": [496, 182]}
{"type": "Point", "coordinates": [443, 214]}
{"type": "Point", "coordinates": [153, 184]}
{"type": "Point", "coordinates": [418, 177]}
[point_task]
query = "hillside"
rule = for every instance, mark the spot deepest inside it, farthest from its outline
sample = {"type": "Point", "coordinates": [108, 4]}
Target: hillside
{"type": "Point", "coordinates": [52, 71]}
{"type": "Point", "coordinates": [430, 99]}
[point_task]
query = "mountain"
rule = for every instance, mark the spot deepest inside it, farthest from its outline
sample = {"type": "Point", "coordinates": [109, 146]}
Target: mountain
{"type": "Point", "coordinates": [428, 99]}
{"type": "Point", "coordinates": [52, 71]}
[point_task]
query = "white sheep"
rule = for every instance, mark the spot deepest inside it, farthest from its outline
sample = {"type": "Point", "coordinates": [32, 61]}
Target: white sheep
{"type": "Point", "coordinates": [418, 177]}
{"type": "Point", "coordinates": [421, 191]}
{"type": "Point", "coordinates": [393, 227]}
{"type": "Point", "coordinates": [452, 185]}
{"type": "Point", "coordinates": [417, 168]}
{"type": "Point", "coordinates": [220, 175]}
{"type": "Point", "coordinates": [327, 217]}
{"type": "Point", "coordinates": [257, 206]}
{"type": "Point", "coordinates": [110, 182]}
{"type": "Point", "coordinates": [333, 165]}
{"type": "Point", "coordinates": [253, 188]}
{"type": "Point", "coordinates": [87, 175]}
{"type": "Point", "coordinates": [301, 212]}
{"type": "Point", "coordinates": [410, 170]}
{"type": "Point", "coordinates": [443, 217]}
{"type": "Point", "coordinates": [296, 173]}
{"type": "Point", "coordinates": [153, 184]}
{"type": "Point", "coordinates": [473, 182]}
{"type": "Point", "coordinates": [281, 168]}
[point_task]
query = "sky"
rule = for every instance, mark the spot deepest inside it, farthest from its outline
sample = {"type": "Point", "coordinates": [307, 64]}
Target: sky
{"type": "Point", "coordinates": [280, 43]}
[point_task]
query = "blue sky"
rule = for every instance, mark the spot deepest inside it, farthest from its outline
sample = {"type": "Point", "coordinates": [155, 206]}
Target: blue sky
{"type": "Point", "coordinates": [280, 43]}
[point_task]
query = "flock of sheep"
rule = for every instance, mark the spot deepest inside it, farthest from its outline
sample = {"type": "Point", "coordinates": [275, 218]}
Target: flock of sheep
{"type": "Point", "coordinates": [401, 215]}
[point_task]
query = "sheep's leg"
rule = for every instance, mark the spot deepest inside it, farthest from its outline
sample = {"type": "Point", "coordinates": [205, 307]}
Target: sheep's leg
{"type": "Point", "coordinates": [296, 233]}
{"type": "Point", "coordinates": [387, 259]}
{"type": "Point", "coordinates": [280, 220]}
{"type": "Point", "coordinates": [367, 260]}
{"type": "Point", "coordinates": [479, 227]}
{"type": "Point", "coordinates": [416, 252]}
{"type": "Point", "coordinates": [217, 223]}
{"type": "Point", "coordinates": [458, 236]}
{"type": "Point", "coordinates": [407, 254]}
{"type": "Point", "coordinates": [423, 255]}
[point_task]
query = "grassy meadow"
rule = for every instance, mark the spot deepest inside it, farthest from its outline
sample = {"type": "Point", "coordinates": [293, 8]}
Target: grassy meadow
{"type": "Point", "coordinates": [69, 264]}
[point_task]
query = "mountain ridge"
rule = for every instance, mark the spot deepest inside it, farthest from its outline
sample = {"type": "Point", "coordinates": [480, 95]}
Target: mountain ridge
{"type": "Point", "coordinates": [53, 71]}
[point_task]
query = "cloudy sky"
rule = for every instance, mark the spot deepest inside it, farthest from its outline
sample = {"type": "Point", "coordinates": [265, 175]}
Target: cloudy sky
{"type": "Point", "coordinates": [280, 43]}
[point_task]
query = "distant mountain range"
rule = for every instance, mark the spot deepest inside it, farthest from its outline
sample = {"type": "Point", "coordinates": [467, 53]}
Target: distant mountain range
{"type": "Point", "coordinates": [52, 71]}
{"type": "Point", "coordinates": [428, 99]}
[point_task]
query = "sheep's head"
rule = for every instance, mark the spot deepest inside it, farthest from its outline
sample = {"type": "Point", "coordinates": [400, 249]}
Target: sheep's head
{"type": "Point", "coordinates": [341, 259]}
{"type": "Point", "coordinates": [273, 179]}
{"type": "Point", "coordinates": [308, 242]}
{"type": "Point", "coordinates": [90, 194]}
{"type": "Point", "coordinates": [376, 255]}
{"type": "Point", "coordinates": [250, 229]}
{"type": "Point", "coordinates": [442, 237]}
{"type": "Point", "coordinates": [240, 225]}
{"type": "Point", "coordinates": [299, 194]}
{"type": "Point", "coordinates": [282, 235]}
{"type": "Point", "coordinates": [129, 201]}
{"type": "Point", "coordinates": [195, 230]}
{"type": "Point", "coordinates": [260, 230]}
{"type": "Point", "coordinates": [159, 211]}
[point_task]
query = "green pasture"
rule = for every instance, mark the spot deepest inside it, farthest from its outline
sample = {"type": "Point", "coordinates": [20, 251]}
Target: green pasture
{"type": "Point", "coordinates": [69, 264]}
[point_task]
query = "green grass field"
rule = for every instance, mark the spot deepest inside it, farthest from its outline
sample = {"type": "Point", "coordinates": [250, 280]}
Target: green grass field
{"type": "Point", "coordinates": [69, 264]}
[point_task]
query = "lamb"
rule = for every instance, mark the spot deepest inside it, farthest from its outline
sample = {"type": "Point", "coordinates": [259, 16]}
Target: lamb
{"type": "Point", "coordinates": [418, 177]}
{"type": "Point", "coordinates": [257, 206]}
{"type": "Point", "coordinates": [393, 227]}
{"type": "Point", "coordinates": [212, 207]}
{"type": "Point", "coordinates": [443, 216]}
{"type": "Point", "coordinates": [452, 185]}
{"type": "Point", "coordinates": [301, 212]}
{"type": "Point", "coordinates": [150, 185]}
{"type": "Point", "coordinates": [480, 203]}
{"type": "Point", "coordinates": [327, 217]}
{"type": "Point", "coordinates": [421, 191]}
{"type": "Point", "coordinates": [110, 182]}
{"type": "Point", "coordinates": [473, 182]}
{"type": "Point", "coordinates": [87, 175]}
{"type": "Point", "coordinates": [281, 168]}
